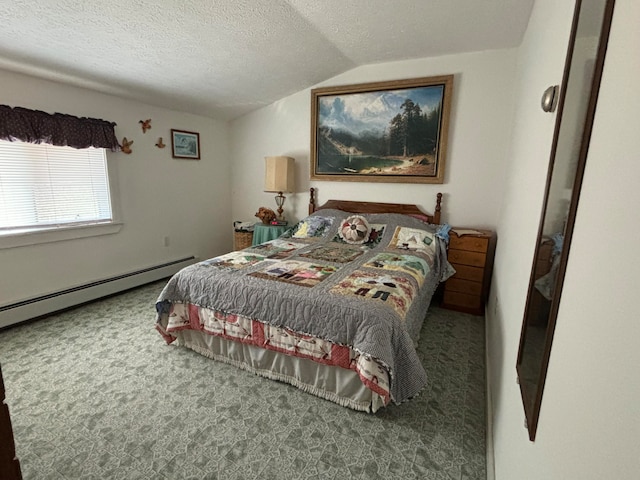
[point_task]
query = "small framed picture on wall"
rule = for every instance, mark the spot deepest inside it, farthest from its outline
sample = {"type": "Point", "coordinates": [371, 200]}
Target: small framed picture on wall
{"type": "Point", "coordinates": [185, 144]}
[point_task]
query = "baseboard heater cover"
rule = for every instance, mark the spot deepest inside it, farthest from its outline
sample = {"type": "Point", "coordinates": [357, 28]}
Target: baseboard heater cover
{"type": "Point", "coordinates": [52, 302]}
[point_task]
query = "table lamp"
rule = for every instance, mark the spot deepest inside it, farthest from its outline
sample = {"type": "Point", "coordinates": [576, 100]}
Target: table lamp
{"type": "Point", "coordinates": [279, 177]}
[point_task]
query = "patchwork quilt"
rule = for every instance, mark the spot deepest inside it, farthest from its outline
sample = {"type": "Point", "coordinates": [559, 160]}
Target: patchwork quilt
{"type": "Point", "coordinates": [296, 272]}
{"type": "Point", "coordinates": [313, 295]}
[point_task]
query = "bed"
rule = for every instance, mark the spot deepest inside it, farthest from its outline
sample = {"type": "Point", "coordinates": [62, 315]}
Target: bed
{"type": "Point", "coordinates": [334, 306]}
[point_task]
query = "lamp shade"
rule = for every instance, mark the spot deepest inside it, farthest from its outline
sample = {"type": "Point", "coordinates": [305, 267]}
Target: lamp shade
{"type": "Point", "coordinates": [278, 174]}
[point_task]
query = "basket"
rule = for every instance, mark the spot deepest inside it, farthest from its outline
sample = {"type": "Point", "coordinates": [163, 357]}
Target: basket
{"type": "Point", "coordinates": [242, 239]}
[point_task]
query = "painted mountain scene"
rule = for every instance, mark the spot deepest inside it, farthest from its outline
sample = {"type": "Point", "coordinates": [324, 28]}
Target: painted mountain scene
{"type": "Point", "coordinates": [380, 133]}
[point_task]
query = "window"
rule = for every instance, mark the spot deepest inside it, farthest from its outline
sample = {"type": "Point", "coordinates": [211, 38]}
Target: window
{"type": "Point", "coordinates": [44, 187]}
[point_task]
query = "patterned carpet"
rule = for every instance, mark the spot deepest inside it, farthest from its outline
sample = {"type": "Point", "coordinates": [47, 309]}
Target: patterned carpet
{"type": "Point", "coordinates": [95, 393]}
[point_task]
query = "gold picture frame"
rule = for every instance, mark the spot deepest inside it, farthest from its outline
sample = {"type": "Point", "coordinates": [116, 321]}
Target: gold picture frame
{"type": "Point", "coordinates": [381, 132]}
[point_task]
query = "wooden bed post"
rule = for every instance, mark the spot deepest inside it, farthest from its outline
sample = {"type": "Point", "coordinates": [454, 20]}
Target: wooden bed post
{"type": "Point", "coordinates": [312, 201]}
{"type": "Point", "coordinates": [436, 214]}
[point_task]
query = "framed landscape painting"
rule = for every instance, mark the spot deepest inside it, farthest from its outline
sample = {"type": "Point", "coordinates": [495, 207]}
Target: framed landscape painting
{"type": "Point", "coordinates": [185, 144]}
{"type": "Point", "coordinates": [381, 132]}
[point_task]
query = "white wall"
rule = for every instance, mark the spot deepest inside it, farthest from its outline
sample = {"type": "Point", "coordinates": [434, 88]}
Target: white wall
{"type": "Point", "coordinates": [481, 113]}
{"type": "Point", "coordinates": [159, 196]}
{"type": "Point", "coordinates": [589, 424]}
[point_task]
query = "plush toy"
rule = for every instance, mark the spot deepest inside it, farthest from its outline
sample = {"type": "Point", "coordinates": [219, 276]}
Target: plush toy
{"type": "Point", "coordinates": [266, 215]}
{"type": "Point", "coordinates": [126, 145]}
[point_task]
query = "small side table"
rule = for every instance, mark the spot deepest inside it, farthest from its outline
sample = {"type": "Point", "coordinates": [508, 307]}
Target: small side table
{"type": "Point", "coordinates": [265, 232]}
{"type": "Point", "coordinates": [471, 254]}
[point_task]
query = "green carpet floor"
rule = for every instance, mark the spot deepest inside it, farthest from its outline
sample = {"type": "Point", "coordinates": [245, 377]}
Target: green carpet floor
{"type": "Point", "coordinates": [95, 393]}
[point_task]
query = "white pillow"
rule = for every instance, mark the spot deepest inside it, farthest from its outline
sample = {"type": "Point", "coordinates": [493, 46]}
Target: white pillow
{"type": "Point", "coordinates": [412, 239]}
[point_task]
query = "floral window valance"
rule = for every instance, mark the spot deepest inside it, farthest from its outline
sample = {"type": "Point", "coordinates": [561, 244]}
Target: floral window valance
{"type": "Point", "coordinates": [34, 126]}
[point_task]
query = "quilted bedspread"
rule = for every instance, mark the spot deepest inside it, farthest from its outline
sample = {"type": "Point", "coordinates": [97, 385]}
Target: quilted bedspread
{"type": "Point", "coordinates": [372, 297]}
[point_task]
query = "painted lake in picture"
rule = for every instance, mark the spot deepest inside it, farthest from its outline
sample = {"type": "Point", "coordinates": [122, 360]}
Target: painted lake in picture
{"type": "Point", "coordinates": [354, 163]}
{"type": "Point", "coordinates": [376, 165]}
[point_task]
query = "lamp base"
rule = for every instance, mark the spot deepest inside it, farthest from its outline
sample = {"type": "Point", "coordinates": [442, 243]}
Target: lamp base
{"type": "Point", "coordinates": [280, 198]}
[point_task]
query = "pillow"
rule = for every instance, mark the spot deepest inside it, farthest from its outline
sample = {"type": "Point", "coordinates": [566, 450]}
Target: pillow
{"type": "Point", "coordinates": [422, 218]}
{"type": "Point", "coordinates": [412, 239]}
{"type": "Point", "coordinates": [312, 227]}
{"type": "Point", "coordinates": [375, 235]}
{"type": "Point", "coordinates": [355, 230]}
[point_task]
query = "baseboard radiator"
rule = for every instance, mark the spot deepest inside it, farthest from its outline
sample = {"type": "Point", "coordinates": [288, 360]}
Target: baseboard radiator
{"type": "Point", "coordinates": [52, 302]}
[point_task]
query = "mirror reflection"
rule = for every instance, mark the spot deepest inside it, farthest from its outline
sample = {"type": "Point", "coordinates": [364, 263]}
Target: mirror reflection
{"type": "Point", "coordinates": [585, 57]}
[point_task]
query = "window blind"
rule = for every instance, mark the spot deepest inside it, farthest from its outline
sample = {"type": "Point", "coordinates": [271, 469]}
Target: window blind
{"type": "Point", "coordinates": [45, 186]}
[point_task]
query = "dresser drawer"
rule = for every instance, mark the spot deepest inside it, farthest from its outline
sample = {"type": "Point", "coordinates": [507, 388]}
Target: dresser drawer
{"type": "Point", "coordinates": [465, 272]}
{"type": "Point", "coordinates": [543, 263]}
{"type": "Point", "coordinates": [462, 300]}
{"type": "Point", "coordinates": [463, 257]}
{"type": "Point", "coordinates": [456, 284]}
{"type": "Point", "coordinates": [467, 242]}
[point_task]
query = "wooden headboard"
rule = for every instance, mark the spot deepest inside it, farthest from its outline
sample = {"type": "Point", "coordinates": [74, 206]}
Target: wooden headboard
{"type": "Point", "coordinates": [376, 207]}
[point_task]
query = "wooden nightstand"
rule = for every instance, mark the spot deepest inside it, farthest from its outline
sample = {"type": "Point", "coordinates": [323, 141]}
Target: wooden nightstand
{"type": "Point", "coordinates": [471, 254]}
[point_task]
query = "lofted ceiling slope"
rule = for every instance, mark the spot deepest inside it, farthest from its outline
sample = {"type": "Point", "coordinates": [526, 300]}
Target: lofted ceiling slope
{"type": "Point", "coordinates": [226, 58]}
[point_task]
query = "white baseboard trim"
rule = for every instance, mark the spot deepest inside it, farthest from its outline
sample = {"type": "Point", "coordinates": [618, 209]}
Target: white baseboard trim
{"type": "Point", "coordinates": [45, 304]}
{"type": "Point", "coordinates": [490, 458]}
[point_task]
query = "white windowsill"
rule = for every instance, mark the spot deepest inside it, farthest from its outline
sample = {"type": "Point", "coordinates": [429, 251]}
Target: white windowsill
{"type": "Point", "coordinates": [57, 234]}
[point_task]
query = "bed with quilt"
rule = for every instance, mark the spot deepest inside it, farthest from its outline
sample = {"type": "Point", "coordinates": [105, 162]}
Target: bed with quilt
{"type": "Point", "coordinates": [334, 306]}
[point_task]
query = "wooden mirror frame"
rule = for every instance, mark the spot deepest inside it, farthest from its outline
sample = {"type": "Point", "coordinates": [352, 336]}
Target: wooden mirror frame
{"type": "Point", "coordinates": [531, 392]}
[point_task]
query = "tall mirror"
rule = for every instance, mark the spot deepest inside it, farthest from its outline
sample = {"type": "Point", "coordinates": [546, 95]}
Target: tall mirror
{"type": "Point", "coordinates": [576, 108]}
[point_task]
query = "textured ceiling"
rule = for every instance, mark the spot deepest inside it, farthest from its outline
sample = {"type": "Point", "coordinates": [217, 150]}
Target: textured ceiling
{"type": "Point", "coordinates": [226, 58]}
